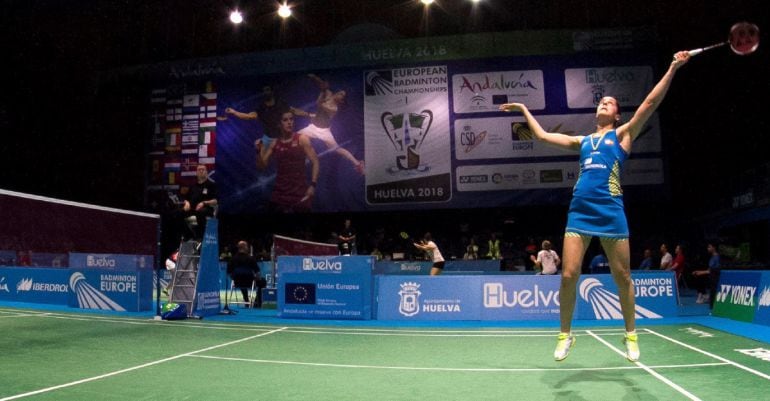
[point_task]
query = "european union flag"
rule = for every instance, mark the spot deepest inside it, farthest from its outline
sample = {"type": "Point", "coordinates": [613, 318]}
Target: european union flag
{"type": "Point", "coordinates": [299, 293]}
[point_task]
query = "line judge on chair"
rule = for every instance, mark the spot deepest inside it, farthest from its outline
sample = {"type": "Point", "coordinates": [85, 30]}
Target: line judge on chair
{"type": "Point", "coordinates": [243, 270]}
{"type": "Point", "coordinates": [201, 201]}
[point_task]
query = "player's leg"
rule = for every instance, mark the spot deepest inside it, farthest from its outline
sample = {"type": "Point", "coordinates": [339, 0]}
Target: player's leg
{"type": "Point", "coordinates": [619, 255]}
{"type": "Point", "coordinates": [575, 246]}
{"type": "Point", "coordinates": [437, 268]}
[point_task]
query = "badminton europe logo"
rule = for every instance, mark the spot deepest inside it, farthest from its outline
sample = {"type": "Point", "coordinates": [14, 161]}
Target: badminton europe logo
{"type": "Point", "coordinates": [89, 297]}
{"type": "Point", "coordinates": [605, 304]}
{"type": "Point", "coordinates": [764, 298]}
{"type": "Point", "coordinates": [410, 299]}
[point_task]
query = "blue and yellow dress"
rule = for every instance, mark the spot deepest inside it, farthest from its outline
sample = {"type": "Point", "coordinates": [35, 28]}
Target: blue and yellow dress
{"type": "Point", "coordinates": [597, 199]}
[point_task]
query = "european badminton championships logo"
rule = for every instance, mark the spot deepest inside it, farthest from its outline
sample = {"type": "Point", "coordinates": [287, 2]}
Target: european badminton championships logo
{"type": "Point", "coordinates": [407, 132]}
{"type": "Point", "coordinates": [379, 83]}
{"type": "Point", "coordinates": [410, 299]}
{"type": "Point", "coordinates": [89, 297]}
{"type": "Point", "coordinates": [605, 304]}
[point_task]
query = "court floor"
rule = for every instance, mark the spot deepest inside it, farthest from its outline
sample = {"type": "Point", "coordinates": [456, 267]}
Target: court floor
{"type": "Point", "coordinates": [48, 355]}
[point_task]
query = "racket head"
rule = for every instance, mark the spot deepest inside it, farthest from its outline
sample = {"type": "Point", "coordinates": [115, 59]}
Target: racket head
{"type": "Point", "coordinates": [744, 38]}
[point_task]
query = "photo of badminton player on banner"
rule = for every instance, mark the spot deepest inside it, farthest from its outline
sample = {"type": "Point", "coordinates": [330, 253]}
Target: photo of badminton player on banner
{"type": "Point", "coordinates": [597, 208]}
{"type": "Point", "coordinates": [328, 120]}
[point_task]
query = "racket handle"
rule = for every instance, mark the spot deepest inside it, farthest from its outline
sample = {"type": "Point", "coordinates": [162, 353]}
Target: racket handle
{"type": "Point", "coordinates": [695, 52]}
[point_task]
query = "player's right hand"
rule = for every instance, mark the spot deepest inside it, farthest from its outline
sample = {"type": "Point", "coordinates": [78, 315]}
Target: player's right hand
{"type": "Point", "coordinates": [511, 107]}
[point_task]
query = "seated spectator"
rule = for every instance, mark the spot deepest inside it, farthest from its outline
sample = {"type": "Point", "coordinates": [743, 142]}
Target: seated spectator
{"type": "Point", "coordinates": [472, 250]}
{"type": "Point", "coordinates": [243, 270]}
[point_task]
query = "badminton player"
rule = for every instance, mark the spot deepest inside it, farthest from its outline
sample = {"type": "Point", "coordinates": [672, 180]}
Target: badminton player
{"type": "Point", "coordinates": [426, 244]}
{"type": "Point", "coordinates": [596, 209]}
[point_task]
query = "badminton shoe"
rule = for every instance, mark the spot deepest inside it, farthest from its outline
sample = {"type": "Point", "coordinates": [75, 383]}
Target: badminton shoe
{"type": "Point", "coordinates": [564, 344]}
{"type": "Point", "coordinates": [632, 346]}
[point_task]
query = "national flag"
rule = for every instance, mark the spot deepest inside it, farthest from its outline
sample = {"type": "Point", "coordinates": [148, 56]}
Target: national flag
{"type": "Point", "coordinates": [208, 105]}
{"type": "Point", "coordinates": [171, 171]}
{"type": "Point", "coordinates": [191, 100]}
{"type": "Point", "coordinates": [189, 165]}
{"type": "Point", "coordinates": [174, 110]}
{"type": "Point", "coordinates": [173, 139]}
{"type": "Point", "coordinates": [190, 125]}
{"type": "Point", "coordinates": [189, 139]}
{"type": "Point", "coordinates": [208, 161]}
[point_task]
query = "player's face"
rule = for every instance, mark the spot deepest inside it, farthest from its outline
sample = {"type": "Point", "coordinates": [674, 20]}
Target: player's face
{"type": "Point", "coordinates": [608, 107]}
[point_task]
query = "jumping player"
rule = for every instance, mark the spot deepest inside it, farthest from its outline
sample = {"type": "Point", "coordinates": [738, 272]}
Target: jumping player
{"type": "Point", "coordinates": [597, 202]}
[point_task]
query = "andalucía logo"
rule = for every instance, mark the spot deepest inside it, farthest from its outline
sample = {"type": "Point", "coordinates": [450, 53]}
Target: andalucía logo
{"type": "Point", "coordinates": [605, 304]}
{"type": "Point", "coordinates": [89, 297]}
{"type": "Point", "coordinates": [410, 299]}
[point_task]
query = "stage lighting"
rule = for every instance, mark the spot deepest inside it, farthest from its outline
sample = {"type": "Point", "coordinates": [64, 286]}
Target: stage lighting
{"type": "Point", "coordinates": [284, 11]}
{"type": "Point", "coordinates": [426, 2]}
{"type": "Point", "coordinates": [236, 17]}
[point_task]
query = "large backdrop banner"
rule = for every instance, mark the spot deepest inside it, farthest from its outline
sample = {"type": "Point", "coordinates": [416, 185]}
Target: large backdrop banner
{"type": "Point", "coordinates": [393, 128]}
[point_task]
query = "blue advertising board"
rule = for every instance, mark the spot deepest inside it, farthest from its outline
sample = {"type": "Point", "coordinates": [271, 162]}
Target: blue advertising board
{"type": "Point", "coordinates": [109, 261]}
{"type": "Point", "coordinates": [515, 297]}
{"type": "Point", "coordinates": [597, 296]}
{"type": "Point", "coordinates": [428, 297]}
{"type": "Point", "coordinates": [207, 300]}
{"type": "Point", "coordinates": [35, 285]}
{"type": "Point", "coordinates": [762, 315]}
{"type": "Point", "coordinates": [111, 290]}
{"type": "Point", "coordinates": [423, 267]}
{"type": "Point", "coordinates": [337, 287]}
{"type": "Point", "coordinates": [530, 297]}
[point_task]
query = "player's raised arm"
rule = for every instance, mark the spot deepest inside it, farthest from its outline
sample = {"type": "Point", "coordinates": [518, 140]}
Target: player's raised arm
{"type": "Point", "coordinates": [554, 138]}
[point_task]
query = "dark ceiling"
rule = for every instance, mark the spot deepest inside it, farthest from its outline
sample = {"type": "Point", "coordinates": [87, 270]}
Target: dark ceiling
{"type": "Point", "coordinates": [55, 145]}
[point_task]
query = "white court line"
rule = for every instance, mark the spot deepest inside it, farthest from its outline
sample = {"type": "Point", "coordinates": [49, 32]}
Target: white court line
{"type": "Point", "coordinates": [736, 364]}
{"type": "Point", "coordinates": [338, 365]}
{"type": "Point", "coordinates": [134, 321]}
{"type": "Point", "coordinates": [437, 332]}
{"type": "Point", "coordinates": [117, 372]}
{"type": "Point", "coordinates": [24, 315]}
{"type": "Point", "coordinates": [648, 369]}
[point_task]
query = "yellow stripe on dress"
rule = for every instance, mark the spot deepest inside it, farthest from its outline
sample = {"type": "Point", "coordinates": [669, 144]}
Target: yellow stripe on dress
{"type": "Point", "coordinates": [614, 182]}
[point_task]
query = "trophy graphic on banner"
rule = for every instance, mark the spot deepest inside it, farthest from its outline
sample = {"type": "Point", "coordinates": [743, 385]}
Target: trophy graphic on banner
{"type": "Point", "coordinates": [407, 131]}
